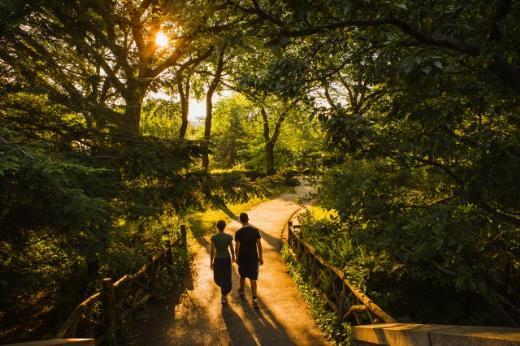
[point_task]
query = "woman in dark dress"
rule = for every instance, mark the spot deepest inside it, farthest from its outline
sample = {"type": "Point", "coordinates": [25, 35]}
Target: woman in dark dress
{"type": "Point", "coordinates": [221, 247]}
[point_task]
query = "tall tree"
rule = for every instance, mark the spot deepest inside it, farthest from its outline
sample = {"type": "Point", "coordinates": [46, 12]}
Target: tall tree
{"type": "Point", "coordinates": [212, 87]}
{"type": "Point", "coordinates": [272, 120]}
{"type": "Point", "coordinates": [183, 79]}
{"type": "Point", "coordinates": [232, 131]}
{"type": "Point", "coordinates": [90, 55]}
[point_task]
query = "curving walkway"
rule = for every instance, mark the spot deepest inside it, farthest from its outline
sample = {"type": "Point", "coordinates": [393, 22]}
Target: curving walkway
{"type": "Point", "coordinates": [283, 317]}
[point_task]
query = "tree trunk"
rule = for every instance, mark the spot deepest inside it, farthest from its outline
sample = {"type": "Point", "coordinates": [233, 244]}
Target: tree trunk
{"type": "Point", "coordinates": [269, 157]}
{"type": "Point", "coordinates": [269, 142]}
{"type": "Point", "coordinates": [133, 102]}
{"type": "Point", "coordinates": [183, 80]}
{"type": "Point", "coordinates": [185, 110]}
{"type": "Point", "coordinates": [506, 277]}
{"type": "Point", "coordinates": [209, 107]}
{"type": "Point", "coordinates": [207, 129]}
{"type": "Point", "coordinates": [184, 95]}
{"type": "Point", "coordinates": [507, 72]}
{"type": "Point", "coordinates": [132, 116]}
{"type": "Point", "coordinates": [132, 119]}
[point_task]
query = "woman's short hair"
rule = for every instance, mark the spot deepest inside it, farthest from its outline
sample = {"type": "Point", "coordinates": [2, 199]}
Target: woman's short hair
{"type": "Point", "coordinates": [221, 225]}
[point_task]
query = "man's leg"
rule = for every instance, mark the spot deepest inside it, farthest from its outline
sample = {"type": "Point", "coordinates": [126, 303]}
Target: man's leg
{"type": "Point", "coordinates": [253, 287]}
{"type": "Point", "coordinates": [242, 280]}
{"type": "Point", "coordinates": [253, 292]}
{"type": "Point", "coordinates": [241, 289]}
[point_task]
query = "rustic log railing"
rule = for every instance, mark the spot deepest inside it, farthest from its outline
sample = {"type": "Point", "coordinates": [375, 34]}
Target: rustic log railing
{"type": "Point", "coordinates": [349, 303]}
{"type": "Point", "coordinates": [100, 313]}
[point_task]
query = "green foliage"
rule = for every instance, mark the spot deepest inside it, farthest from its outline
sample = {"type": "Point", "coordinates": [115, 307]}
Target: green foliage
{"type": "Point", "coordinates": [326, 319]}
{"type": "Point", "coordinates": [239, 137]}
{"type": "Point", "coordinates": [233, 133]}
{"type": "Point", "coordinates": [171, 282]}
{"type": "Point", "coordinates": [392, 227]}
{"type": "Point", "coordinates": [419, 105]}
{"type": "Point", "coordinates": [160, 118]}
{"type": "Point", "coordinates": [79, 203]}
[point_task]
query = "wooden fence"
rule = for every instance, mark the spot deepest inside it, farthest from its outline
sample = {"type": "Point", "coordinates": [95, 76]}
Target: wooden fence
{"type": "Point", "coordinates": [349, 303]}
{"type": "Point", "coordinates": [101, 313]}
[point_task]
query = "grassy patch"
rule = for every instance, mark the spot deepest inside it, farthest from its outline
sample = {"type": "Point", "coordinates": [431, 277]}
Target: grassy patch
{"type": "Point", "coordinates": [326, 319]}
{"type": "Point", "coordinates": [202, 223]}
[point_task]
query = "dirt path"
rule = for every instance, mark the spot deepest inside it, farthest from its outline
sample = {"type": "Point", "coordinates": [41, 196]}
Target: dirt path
{"type": "Point", "coordinates": [283, 317]}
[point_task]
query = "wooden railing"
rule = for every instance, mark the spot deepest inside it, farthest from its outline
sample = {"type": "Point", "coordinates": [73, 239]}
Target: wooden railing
{"type": "Point", "coordinates": [100, 313]}
{"type": "Point", "coordinates": [349, 303]}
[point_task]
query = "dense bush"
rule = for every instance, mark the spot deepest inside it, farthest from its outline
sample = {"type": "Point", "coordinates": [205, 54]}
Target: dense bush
{"type": "Point", "coordinates": [407, 249]}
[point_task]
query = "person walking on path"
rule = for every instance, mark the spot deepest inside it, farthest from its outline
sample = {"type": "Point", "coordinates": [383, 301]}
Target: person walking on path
{"type": "Point", "coordinates": [249, 256]}
{"type": "Point", "coordinates": [221, 246]}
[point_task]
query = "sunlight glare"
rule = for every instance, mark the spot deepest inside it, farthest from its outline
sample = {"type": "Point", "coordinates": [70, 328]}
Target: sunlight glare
{"type": "Point", "coordinates": [161, 39]}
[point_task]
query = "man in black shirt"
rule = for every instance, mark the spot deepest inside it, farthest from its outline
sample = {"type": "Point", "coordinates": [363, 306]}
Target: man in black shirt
{"type": "Point", "coordinates": [249, 250]}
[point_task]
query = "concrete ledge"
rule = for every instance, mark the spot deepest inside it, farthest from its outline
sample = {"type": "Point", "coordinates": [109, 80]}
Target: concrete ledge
{"type": "Point", "coordinates": [57, 342]}
{"type": "Point", "coordinates": [405, 334]}
{"type": "Point", "coordinates": [478, 336]}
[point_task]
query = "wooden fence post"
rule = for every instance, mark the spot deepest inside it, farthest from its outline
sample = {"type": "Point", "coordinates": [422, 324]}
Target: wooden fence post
{"type": "Point", "coordinates": [184, 241]}
{"type": "Point", "coordinates": [108, 304]}
{"type": "Point", "coordinates": [169, 252]}
{"type": "Point", "coordinates": [154, 272]}
{"type": "Point", "coordinates": [289, 235]}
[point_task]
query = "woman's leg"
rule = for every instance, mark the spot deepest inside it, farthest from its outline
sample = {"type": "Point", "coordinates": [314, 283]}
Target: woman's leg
{"type": "Point", "coordinates": [226, 276]}
{"type": "Point", "coordinates": [217, 272]}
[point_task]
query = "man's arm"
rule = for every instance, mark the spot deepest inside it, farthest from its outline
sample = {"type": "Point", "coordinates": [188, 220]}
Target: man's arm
{"type": "Point", "coordinates": [212, 255]}
{"type": "Point", "coordinates": [237, 246]}
{"type": "Point", "coordinates": [259, 247]}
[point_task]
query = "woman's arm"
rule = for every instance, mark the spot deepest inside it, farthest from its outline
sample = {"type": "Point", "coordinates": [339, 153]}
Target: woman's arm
{"type": "Point", "coordinates": [211, 255]}
{"type": "Point", "coordinates": [232, 251]}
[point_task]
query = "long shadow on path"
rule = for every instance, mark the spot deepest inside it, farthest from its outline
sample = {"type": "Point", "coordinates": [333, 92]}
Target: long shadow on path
{"type": "Point", "coordinates": [200, 319]}
{"type": "Point", "coordinates": [264, 331]}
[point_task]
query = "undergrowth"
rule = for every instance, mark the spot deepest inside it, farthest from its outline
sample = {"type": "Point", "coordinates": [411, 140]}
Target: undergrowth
{"type": "Point", "coordinates": [326, 319]}
{"type": "Point", "coordinates": [171, 281]}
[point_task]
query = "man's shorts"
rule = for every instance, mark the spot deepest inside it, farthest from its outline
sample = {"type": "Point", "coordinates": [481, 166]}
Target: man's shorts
{"type": "Point", "coordinates": [248, 270]}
